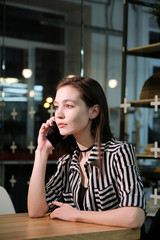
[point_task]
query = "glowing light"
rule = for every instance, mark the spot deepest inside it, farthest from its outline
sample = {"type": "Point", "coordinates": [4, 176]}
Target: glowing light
{"type": "Point", "coordinates": [71, 76]}
{"type": "Point", "coordinates": [49, 100]}
{"type": "Point", "coordinates": [31, 93]}
{"type": "Point", "coordinates": [82, 52]}
{"type": "Point", "coordinates": [27, 73]}
{"type": "Point", "coordinates": [46, 105]}
{"type": "Point", "coordinates": [9, 80]}
{"type": "Point", "coordinates": [3, 94]}
{"type": "Point", "coordinates": [113, 83]}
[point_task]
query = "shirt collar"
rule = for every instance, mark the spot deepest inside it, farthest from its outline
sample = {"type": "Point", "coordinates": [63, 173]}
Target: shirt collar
{"type": "Point", "coordinates": [93, 157]}
{"type": "Point", "coordinates": [74, 160]}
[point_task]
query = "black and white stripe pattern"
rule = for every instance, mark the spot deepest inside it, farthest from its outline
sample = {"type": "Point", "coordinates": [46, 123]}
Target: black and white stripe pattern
{"type": "Point", "coordinates": [118, 184]}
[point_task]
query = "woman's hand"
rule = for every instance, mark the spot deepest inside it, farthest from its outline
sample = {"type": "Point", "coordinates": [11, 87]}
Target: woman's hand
{"type": "Point", "coordinates": [64, 212]}
{"type": "Point", "coordinates": [43, 143]}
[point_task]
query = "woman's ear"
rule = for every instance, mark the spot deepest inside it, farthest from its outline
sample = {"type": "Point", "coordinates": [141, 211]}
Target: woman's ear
{"type": "Point", "coordinates": [94, 111]}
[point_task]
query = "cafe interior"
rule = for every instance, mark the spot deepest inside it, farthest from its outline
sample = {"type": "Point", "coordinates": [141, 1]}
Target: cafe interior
{"type": "Point", "coordinates": [45, 40]}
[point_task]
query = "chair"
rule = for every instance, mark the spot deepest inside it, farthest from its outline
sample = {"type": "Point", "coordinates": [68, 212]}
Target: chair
{"type": "Point", "coordinates": [154, 230]}
{"type": "Point", "coordinates": [6, 205]}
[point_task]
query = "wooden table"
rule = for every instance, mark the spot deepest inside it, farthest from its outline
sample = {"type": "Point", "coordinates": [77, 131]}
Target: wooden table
{"type": "Point", "coordinates": [20, 226]}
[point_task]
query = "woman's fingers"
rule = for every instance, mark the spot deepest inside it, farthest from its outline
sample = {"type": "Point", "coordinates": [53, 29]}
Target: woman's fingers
{"type": "Point", "coordinates": [58, 204]}
{"type": "Point", "coordinates": [50, 121]}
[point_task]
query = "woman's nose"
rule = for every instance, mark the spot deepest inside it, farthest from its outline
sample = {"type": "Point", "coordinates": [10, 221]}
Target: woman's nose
{"type": "Point", "coordinates": [59, 113]}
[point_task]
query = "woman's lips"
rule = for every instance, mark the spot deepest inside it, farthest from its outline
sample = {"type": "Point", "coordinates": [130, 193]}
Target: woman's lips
{"type": "Point", "coordinates": [61, 125]}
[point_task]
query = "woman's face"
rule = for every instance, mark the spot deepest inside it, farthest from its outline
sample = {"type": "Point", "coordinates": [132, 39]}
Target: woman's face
{"type": "Point", "coordinates": [71, 113]}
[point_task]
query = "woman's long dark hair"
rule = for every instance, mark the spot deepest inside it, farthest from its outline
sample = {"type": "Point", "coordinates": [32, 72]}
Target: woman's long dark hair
{"type": "Point", "coordinates": [91, 93]}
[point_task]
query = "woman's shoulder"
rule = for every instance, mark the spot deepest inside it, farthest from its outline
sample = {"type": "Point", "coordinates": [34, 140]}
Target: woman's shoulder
{"type": "Point", "coordinates": [115, 145]}
{"type": "Point", "coordinates": [63, 159]}
{"type": "Point", "coordinates": [67, 158]}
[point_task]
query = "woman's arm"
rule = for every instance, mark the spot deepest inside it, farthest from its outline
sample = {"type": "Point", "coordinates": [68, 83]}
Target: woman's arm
{"type": "Point", "coordinates": [132, 217]}
{"type": "Point", "coordinates": [37, 205]}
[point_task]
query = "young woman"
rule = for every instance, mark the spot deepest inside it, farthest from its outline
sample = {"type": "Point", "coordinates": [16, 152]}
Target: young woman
{"type": "Point", "coordinates": [97, 180]}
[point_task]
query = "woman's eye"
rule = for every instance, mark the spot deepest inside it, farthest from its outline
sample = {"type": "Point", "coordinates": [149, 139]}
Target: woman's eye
{"type": "Point", "coordinates": [69, 106]}
{"type": "Point", "coordinates": [55, 107]}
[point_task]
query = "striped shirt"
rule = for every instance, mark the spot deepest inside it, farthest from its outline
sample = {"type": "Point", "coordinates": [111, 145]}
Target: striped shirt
{"type": "Point", "coordinates": [118, 184]}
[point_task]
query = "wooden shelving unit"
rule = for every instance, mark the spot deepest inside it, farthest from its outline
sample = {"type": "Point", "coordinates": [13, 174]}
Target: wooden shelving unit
{"type": "Point", "coordinates": [147, 156]}
{"type": "Point", "coordinates": [142, 103]}
{"type": "Point", "coordinates": [151, 51]}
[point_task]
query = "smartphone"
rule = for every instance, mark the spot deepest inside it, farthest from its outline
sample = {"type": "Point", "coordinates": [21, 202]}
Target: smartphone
{"type": "Point", "coordinates": [53, 135]}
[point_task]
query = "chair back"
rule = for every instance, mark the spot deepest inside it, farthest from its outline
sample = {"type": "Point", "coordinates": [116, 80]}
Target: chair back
{"type": "Point", "coordinates": [6, 205]}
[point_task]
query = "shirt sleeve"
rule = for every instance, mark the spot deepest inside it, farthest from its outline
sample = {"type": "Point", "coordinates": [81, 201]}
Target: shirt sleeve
{"type": "Point", "coordinates": [129, 182]}
{"type": "Point", "coordinates": [54, 187]}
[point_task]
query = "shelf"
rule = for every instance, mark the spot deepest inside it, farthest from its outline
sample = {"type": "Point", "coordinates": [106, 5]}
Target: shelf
{"type": "Point", "coordinates": [151, 51]}
{"type": "Point", "coordinates": [142, 103]}
{"type": "Point", "coordinates": [147, 156]}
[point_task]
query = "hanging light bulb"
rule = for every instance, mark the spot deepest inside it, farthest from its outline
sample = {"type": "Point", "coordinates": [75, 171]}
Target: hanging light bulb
{"type": "Point", "coordinates": [46, 105]}
{"type": "Point", "coordinates": [49, 99]}
{"type": "Point", "coordinates": [27, 72]}
{"type": "Point", "coordinates": [113, 83]}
